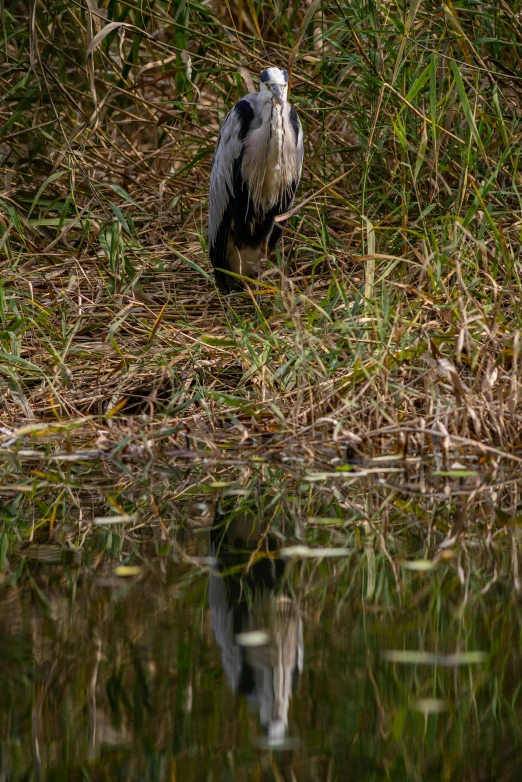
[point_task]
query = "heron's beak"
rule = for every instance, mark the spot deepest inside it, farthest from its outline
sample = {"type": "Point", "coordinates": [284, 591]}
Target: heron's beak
{"type": "Point", "coordinates": [277, 92]}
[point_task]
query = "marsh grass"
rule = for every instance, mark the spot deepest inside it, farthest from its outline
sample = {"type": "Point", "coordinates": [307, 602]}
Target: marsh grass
{"type": "Point", "coordinates": [372, 409]}
{"type": "Point", "coordinates": [391, 316]}
{"type": "Point", "coordinates": [104, 513]}
{"type": "Point", "coordinates": [411, 634]}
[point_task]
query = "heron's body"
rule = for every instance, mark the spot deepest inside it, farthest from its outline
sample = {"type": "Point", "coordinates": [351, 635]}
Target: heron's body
{"type": "Point", "coordinates": [253, 601]}
{"type": "Point", "coordinates": [255, 173]}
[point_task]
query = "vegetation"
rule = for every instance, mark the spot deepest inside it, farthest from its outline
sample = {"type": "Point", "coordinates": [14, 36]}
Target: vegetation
{"type": "Point", "coordinates": [411, 636]}
{"type": "Point", "coordinates": [391, 316]}
{"type": "Point", "coordinates": [133, 396]}
{"type": "Point", "coordinates": [411, 625]}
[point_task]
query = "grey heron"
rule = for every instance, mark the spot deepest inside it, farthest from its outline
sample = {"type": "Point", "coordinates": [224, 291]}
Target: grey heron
{"type": "Point", "coordinates": [256, 170]}
{"type": "Point", "coordinates": [255, 603]}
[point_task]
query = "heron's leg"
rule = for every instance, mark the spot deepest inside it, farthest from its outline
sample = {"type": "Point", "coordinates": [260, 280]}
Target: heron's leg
{"type": "Point", "coordinates": [239, 248]}
{"type": "Point", "coordinates": [263, 255]}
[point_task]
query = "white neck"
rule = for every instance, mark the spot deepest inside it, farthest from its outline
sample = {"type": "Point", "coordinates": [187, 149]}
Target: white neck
{"type": "Point", "coordinates": [263, 163]}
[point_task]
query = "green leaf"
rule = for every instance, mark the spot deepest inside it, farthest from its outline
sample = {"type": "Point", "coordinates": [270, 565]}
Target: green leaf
{"type": "Point", "coordinates": [51, 178]}
{"type": "Point", "coordinates": [419, 83]}
{"type": "Point", "coordinates": [466, 108]}
{"type": "Point", "coordinates": [120, 216]}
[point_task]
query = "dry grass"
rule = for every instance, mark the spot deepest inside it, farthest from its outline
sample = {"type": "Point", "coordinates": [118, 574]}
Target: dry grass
{"type": "Point", "coordinates": [391, 317]}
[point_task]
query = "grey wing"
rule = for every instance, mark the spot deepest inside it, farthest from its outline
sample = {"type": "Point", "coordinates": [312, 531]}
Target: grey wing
{"type": "Point", "coordinates": [229, 146]}
{"type": "Point", "coordinates": [298, 131]}
{"type": "Point", "coordinates": [225, 179]}
{"type": "Point", "coordinates": [223, 625]}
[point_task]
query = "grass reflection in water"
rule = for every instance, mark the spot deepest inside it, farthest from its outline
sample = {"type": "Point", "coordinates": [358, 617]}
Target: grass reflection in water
{"type": "Point", "coordinates": [134, 650]}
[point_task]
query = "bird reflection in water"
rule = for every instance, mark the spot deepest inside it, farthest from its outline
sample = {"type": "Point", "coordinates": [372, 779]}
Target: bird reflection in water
{"type": "Point", "coordinates": [256, 623]}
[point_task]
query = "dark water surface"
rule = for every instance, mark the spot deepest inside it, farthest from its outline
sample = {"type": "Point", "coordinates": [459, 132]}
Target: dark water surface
{"type": "Point", "coordinates": [321, 629]}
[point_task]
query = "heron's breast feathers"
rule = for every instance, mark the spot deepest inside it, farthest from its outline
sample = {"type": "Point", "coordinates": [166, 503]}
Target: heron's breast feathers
{"type": "Point", "coordinates": [270, 164]}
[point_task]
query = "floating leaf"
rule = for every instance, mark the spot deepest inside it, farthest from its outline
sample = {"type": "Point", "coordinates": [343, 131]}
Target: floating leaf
{"type": "Point", "coordinates": [429, 705]}
{"type": "Point", "coordinates": [253, 638]}
{"type": "Point", "coordinates": [127, 570]}
{"type": "Point", "coordinates": [121, 519]}
{"type": "Point", "coordinates": [309, 553]}
{"type": "Point", "coordinates": [412, 657]}
{"type": "Point", "coordinates": [418, 564]}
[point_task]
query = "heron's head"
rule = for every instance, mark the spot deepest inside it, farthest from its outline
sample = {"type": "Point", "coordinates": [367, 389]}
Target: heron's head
{"type": "Point", "coordinates": [274, 83]}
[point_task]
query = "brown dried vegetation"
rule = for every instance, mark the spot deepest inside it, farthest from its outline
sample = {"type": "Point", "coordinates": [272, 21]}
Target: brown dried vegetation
{"type": "Point", "coordinates": [392, 315]}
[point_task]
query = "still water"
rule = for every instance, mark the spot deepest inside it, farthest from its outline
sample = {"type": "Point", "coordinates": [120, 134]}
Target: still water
{"type": "Point", "coordinates": [316, 629]}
